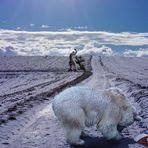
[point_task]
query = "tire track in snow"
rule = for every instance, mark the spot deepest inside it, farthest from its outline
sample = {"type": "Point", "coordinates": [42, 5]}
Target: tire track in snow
{"type": "Point", "coordinates": [18, 135]}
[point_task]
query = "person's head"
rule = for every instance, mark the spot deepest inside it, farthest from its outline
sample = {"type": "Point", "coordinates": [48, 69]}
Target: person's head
{"type": "Point", "coordinates": [73, 53]}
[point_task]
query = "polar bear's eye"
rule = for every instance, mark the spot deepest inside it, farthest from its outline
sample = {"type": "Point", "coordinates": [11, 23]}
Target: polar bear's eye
{"type": "Point", "coordinates": [125, 108]}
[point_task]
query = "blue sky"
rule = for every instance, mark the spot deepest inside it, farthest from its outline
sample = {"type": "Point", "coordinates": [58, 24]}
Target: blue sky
{"type": "Point", "coordinates": [108, 15]}
{"type": "Point", "coordinates": [115, 26]}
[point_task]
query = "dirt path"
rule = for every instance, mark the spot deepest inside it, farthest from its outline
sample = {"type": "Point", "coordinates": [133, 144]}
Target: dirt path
{"type": "Point", "coordinates": [43, 129]}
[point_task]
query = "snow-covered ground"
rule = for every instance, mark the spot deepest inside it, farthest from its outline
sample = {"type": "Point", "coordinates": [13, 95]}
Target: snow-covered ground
{"type": "Point", "coordinates": [131, 75]}
{"type": "Point", "coordinates": [130, 68]}
{"type": "Point", "coordinates": [33, 63]}
{"type": "Point", "coordinates": [38, 127]}
{"type": "Point", "coordinates": [28, 79]}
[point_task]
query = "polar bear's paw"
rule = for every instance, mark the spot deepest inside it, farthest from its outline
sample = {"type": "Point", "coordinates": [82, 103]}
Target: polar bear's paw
{"type": "Point", "coordinates": [85, 134]}
{"type": "Point", "coordinates": [80, 142]}
{"type": "Point", "coordinates": [118, 137]}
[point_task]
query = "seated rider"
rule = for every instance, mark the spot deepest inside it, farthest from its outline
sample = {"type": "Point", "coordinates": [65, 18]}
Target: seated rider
{"type": "Point", "coordinates": [81, 62]}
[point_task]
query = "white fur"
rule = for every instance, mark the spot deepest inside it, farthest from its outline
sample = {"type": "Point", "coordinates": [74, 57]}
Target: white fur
{"type": "Point", "coordinates": [80, 107]}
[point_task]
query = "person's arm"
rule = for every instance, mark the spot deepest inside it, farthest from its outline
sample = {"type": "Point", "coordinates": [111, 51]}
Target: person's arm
{"type": "Point", "coordinates": [75, 51]}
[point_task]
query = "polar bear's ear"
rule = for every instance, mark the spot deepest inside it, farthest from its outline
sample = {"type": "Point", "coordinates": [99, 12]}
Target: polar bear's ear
{"type": "Point", "coordinates": [137, 117]}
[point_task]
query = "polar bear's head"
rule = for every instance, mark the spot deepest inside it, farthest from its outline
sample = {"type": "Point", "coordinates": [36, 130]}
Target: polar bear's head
{"type": "Point", "coordinates": [128, 116]}
{"type": "Point", "coordinates": [127, 112]}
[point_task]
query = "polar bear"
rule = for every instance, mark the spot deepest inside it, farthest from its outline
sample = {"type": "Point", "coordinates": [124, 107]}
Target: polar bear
{"type": "Point", "coordinates": [79, 107]}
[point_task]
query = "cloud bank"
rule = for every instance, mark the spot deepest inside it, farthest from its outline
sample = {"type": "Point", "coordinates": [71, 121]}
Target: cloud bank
{"type": "Point", "coordinates": [138, 53]}
{"type": "Point", "coordinates": [45, 26]}
{"type": "Point", "coordinates": [8, 51]}
{"type": "Point", "coordinates": [63, 42]}
{"type": "Point", "coordinates": [31, 25]}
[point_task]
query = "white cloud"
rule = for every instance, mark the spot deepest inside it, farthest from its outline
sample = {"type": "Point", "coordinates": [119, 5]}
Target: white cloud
{"type": "Point", "coordinates": [66, 30]}
{"type": "Point", "coordinates": [45, 26]}
{"type": "Point", "coordinates": [91, 48]}
{"type": "Point", "coordinates": [8, 51]}
{"type": "Point", "coordinates": [18, 28]}
{"type": "Point", "coordinates": [32, 25]}
{"type": "Point", "coordinates": [138, 53]}
{"type": "Point", "coordinates": [63, 42]}
{"type": "Point", "coordinates": [81, 27]}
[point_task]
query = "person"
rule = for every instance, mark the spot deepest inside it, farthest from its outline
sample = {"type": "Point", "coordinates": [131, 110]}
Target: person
{"type": "Point", "coordinates": [81, 62]}
{"type": "Point", "coordinates": [72, 61]}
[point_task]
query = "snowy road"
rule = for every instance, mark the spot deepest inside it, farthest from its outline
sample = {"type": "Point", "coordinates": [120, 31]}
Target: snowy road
{"type": "Point", "coordinates": [39, 128]}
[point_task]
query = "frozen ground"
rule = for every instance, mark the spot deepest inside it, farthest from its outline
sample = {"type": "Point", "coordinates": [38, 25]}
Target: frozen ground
{"type": "Point", "coordinates": [35, 63]}
{"type": "Point", "coordinates": [25, 81]}
{"type": "Point", "coordinates": [37, 127]}
{"type": "Point", "coordinates": [132, 69]}
{"type": "Point", "coordinates": [131, 75]}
